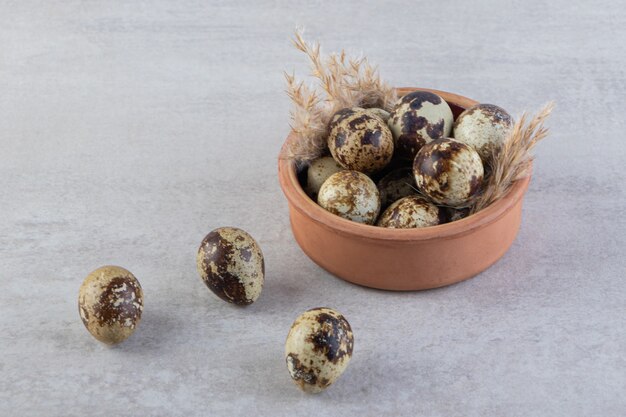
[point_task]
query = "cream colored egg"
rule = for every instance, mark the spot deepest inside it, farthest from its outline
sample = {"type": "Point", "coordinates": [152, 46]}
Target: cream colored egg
{"type": "Point", "coordinates": [360, 141]}
{"type": "Point", "coordinates": [411, 212]}
{"type": "Point", "coordinates": [417, 119]}
{"type": "Point", "coordinates": [484, 127]}
{"type": "Point", "coordinates": [231, 264]}
{"type": "Point", "coordinates": [383, 114]}
{"type": "Point", "coordinates": [397, 184]}
{"type": "Point", "coordinates": [318, 349]}
{"type": "Point", "coordinates": [448, 172]}
{"type": "Point", "coordinates": [351, 195]}
{"type": "Point", "coordinates": [110, 303]}
{"type": "Point", "coordinates": [319, 170]}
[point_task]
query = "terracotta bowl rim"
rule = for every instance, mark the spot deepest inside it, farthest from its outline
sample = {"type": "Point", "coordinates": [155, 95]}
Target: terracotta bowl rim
{"type": "Point", "coordinates": [300, 201]}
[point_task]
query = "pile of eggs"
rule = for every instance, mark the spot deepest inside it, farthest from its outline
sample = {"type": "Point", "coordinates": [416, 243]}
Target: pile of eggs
{"type": "Point", "coordinates": [414, 167]}
{"type": "Point", "coordinates": [230, 262]}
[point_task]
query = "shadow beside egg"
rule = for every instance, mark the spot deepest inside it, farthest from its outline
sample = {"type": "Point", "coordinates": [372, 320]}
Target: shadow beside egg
{"type": "Point", "coordinates": [155, 329]}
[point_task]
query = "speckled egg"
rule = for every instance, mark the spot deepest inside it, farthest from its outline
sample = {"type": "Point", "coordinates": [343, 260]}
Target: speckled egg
{"type": "Point", "coordinates": [319, 170]}
{"type": "Point", "coordinates": [397, 184]}
{"type": "Point", "coordinates": [318, 348]}
{"type": "Point", "coordinates": [360, 141]}
{"type": "Point", "coordinates": [411, 212]}
{"type": "Point", "coordinates": [383, 114]}
{"type": "Point", "coordinates": [454, 214]}
{"type": "Point", "coordinates": [231, 264]}
{"type": "Point", "coordinates": [110, 303]}
{"type": "Point", "coordinates": [342, 114]}
{"type": "Point", "coordinates": [351, 195]}
{"type": "Point", "coordinates": [484, 127]}
{"type": "Point", "coordinates": [417, 119]}
{"type": "Point", "coordinates": [448, 172]}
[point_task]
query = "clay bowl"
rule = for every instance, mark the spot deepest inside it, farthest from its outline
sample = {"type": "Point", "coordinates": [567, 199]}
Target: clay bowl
{"type": "Point", "coordinates": [403, 259]}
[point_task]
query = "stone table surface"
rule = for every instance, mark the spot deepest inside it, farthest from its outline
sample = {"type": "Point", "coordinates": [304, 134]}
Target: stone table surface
{"type": "Point", "coordinates": [129, 130]}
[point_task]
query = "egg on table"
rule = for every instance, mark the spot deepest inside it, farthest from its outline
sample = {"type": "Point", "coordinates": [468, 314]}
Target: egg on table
{"type": "Point", "coordinates": [319, 170]}
{"type": "Point", "coordinates": [448, 172]}
{"type": "Point", "coordinates": [411, 212]}
{"type": "Point", "coordinates": [351, 195]}
{"type": "Point", "coordinates": [417, 119]}
{"type": "Point", "coordinates": [397, 184]}
{"type": "Point", "coordinates": [110, 303]}
{"type": "Point", "coordinates": [231, 264]}
{"type": "Point", "coordinates": [360, 141]}
{"type": "Point", "coordinates": [318, 348]}
{"type": "Point", "coordinates": [484, 127]}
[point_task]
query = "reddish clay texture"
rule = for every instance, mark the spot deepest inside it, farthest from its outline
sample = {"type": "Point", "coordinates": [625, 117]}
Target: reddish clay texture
{"type": "Point", "coordinates": [403, 259]}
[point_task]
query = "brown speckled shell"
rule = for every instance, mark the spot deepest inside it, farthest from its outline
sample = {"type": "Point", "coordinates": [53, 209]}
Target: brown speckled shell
{"type": "Point", "coordinates": [395, 185]}
{"type": "Point", "coordinates": [351, 195]}
{"type": "Point", "coordinates": [383, 114]}
{"type": "Point", "coordinates": [484, 127]}
{"type": "Point", "coordinates": [318, 172]}
{"type": "Point", "coordinates": [448, 172]}
{"type": "Point", "coordinates": [412, 212]}
{"type": "Point", "coordinates": [110, 303]}
{"type": "Point", "coordinates": [231, 264]}
{"type": "Point", "coordinates": [360, 141]}
{"type": "Point", "coordinates": [417, 119]}
{"type": "Point", "coordinates": [318, 348]}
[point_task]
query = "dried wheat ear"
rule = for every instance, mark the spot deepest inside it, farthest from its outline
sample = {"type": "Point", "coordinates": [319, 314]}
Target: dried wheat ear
{"type": "Point", "coordinates": [512, 161]}
{"type": "Point", "coordinates": [344, 82]}
{"type": "Point", "coordinates": [354, 82]}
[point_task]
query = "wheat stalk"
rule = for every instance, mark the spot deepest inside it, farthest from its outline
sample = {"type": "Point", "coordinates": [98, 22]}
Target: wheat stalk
{"type": "Point", "coordinates": [345, 82]}
{"type": "Point", "coordinates": [512, 161]}
{"type": "Point", "coordinates": [309, 121]}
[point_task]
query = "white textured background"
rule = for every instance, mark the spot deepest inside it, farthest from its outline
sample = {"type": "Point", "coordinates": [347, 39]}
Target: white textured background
{"type": "Point", "coordinates": [128, 130]}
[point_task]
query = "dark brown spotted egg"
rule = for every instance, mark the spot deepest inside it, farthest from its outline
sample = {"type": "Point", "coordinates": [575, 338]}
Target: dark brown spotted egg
{"type": "Point", "coordinates": [360, 140]}
{"type": "Point", "coordinates": [110, 302]}
{"type": "Point", "coordinates": [417, 119]}
{"type": "Point", "coordinates": [484, 127]}
{"type": "Point", "coordinates": [448, 172]}
{"type": "Point", "coordinates": [231, 264]}
{"type": "Point", "coordinates": [319, 170]}
{"type": "Point", "coordinates": [397, 184]}
{"type": "Point", "coordinates": [318, 348]}
{"type": "Point", "coordinates": [351, 195]}
{"type": "Point", "coordinates": [411, 212]}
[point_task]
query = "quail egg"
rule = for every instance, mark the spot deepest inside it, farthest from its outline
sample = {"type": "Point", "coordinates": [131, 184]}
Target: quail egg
{"type": "Point", "coordinates": [417, 119]}
{"type": "Point", "coordinates": [383, 114]}
{"type": "Point", "coordinates": [454, 214]}
{"type": "Point", "coordinates": [448, 172]}
{"type": "Point", "coordinates": [351, 195]}
{"type": "Point", "coordinates": [319, 170]}
{"type": "Point", "coordinates": [318, 348]}
{"type": "Point", "coordinates": [360, 141]}
{"type": "Point", "coordinates": [484, 127]}
{"type": "Point", "coordinates": [411, 212]}
{"type": "Point", "coordinates": [231, 264]}
{"type": "Point", "coordinates": [110, 303]}
{"type": "Point", "coordinates": [342, 114]}
{"type": "Point", "coordinates": [397, 184]}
